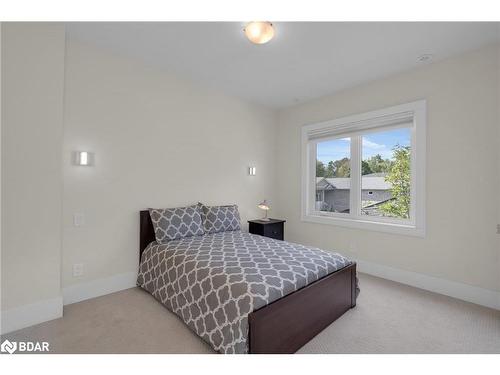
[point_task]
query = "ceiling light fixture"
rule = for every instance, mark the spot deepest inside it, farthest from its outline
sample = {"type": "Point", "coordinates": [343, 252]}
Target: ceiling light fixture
{"type": "Point", "coordinates": [259, 32]}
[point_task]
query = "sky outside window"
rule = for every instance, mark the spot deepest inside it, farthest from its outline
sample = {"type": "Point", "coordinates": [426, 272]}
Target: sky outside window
{"type": "Point", "coordinates": [380, 143]}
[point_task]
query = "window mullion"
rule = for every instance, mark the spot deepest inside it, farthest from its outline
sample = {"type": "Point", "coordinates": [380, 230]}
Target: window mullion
{"type": "Point", "coordinates": [355, 193]}
{"type": "Point", "coordinates": [312, 176]}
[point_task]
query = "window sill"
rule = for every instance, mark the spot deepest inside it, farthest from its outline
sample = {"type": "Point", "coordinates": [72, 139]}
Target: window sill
{"type": "Point", "coordinates": [400, 229]}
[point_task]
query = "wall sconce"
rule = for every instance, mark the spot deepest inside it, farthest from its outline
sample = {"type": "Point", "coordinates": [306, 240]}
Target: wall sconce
{"type": "Point", "coordinates": [84, 158]}
{"type": "Point", "coordinates": [252, 171]}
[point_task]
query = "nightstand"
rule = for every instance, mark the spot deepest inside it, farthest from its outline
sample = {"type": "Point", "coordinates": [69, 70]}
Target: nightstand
{"type": "Point", "coordinates": [273, 228]}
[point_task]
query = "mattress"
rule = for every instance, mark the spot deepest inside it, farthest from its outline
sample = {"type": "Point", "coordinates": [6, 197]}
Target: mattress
{"type": "Point", "coordinates": [213, 282]}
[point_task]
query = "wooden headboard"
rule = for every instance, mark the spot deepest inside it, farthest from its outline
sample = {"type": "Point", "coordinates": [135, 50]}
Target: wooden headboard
{"type": "Point", "coordinates": [146, 232]}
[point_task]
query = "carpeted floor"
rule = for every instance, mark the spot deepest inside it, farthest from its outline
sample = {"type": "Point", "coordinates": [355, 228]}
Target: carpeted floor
{"type": "Point", "coordinates": [389, 318]}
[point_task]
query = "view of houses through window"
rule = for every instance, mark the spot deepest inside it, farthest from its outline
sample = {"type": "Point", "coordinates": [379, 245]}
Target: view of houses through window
{"type": "Point", "coordinates": [333, 175]}
{"type": "Point", "coordinates": [385, 174]}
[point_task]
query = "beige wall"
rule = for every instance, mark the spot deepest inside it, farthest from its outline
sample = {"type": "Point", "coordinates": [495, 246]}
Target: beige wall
{"type": "Point", "coordinates": [163, 141]}
{"type": "Point", "coordinates": [462, 161]}
{"type": "Point", "coordinates": [159, 141]}
{"type": "Point", "coordinates": [1, 64]}
{"type": "Point", "coordinates": [32, 127]}
{"type": "Point", "coordinates": [498, 124]}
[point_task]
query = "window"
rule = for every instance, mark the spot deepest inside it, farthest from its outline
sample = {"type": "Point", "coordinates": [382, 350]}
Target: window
{"type": "Point", "coordinates": [367, 171]}
{"type": "Point", "coordinates": [333, 169]}
{"type": "Point", "coordinates": [385, 168]}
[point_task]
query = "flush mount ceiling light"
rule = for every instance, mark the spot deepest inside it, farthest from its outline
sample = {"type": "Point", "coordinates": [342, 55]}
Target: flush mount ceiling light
{"type": "Point", "coordinates": [259, 32]}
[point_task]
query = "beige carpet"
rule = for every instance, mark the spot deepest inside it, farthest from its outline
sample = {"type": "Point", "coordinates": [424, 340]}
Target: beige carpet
{"type": "Point", "coordinates": [389, 318]}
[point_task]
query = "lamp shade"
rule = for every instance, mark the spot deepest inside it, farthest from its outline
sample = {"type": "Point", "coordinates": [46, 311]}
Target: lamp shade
{"type": "Point", "coordinates": [263, 205]}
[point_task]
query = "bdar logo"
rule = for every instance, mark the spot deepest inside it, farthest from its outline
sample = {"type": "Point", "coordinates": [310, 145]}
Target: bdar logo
{"type": "Point", "coordinates": [8, 347]}
{"type": "Point", "coordinates": [24, 346]}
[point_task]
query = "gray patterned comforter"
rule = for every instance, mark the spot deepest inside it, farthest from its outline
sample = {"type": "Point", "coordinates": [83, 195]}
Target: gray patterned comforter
{"type": "Point", "coordinates": [213, 282]}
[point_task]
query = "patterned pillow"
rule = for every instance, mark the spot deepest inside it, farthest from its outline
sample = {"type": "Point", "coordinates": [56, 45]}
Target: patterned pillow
{"type": "Point", "coordinates": [174, 223]}
{"type": "Point", "coordinates": [220, 218]}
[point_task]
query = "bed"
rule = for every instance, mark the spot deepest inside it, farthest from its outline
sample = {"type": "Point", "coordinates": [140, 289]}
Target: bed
{"type": "Point", "coordinates": [244, 293]}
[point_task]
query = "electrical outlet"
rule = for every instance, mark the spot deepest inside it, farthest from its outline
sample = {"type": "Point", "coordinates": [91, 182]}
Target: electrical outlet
{"type": "Point", "coordinates": [78, 219]}
{"type": "Point", "coordinates": [498, 228]}
{"type": "Point", "coordinates": [77, 269]}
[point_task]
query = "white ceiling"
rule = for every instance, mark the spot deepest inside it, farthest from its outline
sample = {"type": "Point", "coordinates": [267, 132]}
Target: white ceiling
{"type": "Point", "coordinates": [304, 61]}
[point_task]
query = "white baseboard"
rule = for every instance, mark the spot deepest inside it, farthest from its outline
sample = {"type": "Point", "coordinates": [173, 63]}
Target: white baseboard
{"type": "Point", "coordinates": [469, 293]}
{"type": "Point", "coordinates": [100, 287]}
{"type": "Point", "coordinates": [28, 315]}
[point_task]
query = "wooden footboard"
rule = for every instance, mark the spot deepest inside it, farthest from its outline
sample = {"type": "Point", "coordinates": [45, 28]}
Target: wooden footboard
{"type": "Point", "coordinates": [287, 324]}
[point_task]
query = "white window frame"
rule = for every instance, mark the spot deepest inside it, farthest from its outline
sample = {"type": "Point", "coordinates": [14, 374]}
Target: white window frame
{"type": "Point", "coordinates": [355, 127]}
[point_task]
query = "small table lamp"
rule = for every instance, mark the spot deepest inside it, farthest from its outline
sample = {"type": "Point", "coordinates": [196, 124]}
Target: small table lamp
{"type": "Point", "coordinates": [264, 206]}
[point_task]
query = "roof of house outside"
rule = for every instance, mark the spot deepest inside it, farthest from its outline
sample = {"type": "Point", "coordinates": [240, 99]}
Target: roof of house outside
{"type": "Point", "coordinates": [342, 183]}
{"type": "Point", "coordinates": [339, 183]}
